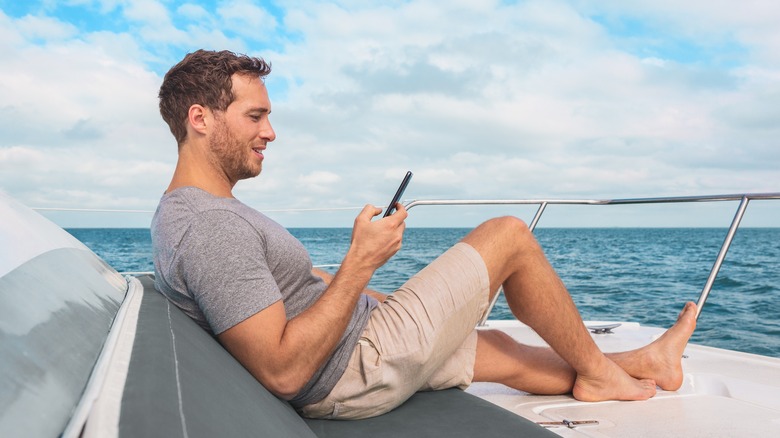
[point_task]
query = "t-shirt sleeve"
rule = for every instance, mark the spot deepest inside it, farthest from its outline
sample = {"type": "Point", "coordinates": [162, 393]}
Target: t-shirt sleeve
{"type": "Point", "coordinates": [222, 261]}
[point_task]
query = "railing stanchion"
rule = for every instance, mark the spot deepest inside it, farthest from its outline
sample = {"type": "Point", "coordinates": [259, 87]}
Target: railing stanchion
{"type": "Point", "coordinates": [722, 255]}
{"type": "Point", "coordinates": [531, 227]}
{"type": "Point", "coordinates": [538, 215]}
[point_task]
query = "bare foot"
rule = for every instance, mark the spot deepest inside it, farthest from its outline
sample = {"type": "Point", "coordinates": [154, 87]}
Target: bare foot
{"type": "Point", "coordinates": [662, 360]}
{"type": "Point", "coordinates": [612, 384]}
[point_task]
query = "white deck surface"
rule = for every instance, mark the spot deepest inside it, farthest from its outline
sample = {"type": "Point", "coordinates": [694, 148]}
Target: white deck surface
{"type": "Point", "coordinates": [724, 394]}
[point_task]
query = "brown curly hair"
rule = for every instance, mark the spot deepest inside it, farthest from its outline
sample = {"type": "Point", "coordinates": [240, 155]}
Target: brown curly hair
{"type": "Point", "coordinates": [203, 77]}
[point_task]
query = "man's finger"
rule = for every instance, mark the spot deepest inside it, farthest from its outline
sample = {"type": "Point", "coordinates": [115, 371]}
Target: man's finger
{"type": "Point", "coordinates": [368, 212]}
{"type": "Point", "coordinates": [400, 212]}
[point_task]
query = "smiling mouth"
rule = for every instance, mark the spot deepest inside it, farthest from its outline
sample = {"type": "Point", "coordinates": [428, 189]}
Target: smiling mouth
{"type": "Point", "coordinates": [258, 152]}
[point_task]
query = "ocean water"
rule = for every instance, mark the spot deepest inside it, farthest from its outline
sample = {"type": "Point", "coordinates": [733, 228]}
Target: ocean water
{"type": "Point", "coordinates": [636, 274]}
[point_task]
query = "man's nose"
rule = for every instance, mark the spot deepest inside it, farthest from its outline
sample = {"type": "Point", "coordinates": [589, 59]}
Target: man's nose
{"type": "Point", "coordinates": [268, 132]}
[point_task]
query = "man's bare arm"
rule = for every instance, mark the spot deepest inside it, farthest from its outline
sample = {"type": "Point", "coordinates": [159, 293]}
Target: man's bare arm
{"type": "Point", "coordinates": [282, 354]}
{"type": "Point", "coordinates": [328, 277]}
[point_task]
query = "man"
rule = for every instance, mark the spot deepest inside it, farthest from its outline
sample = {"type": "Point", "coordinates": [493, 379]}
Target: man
{"type": "Point", "coordinates": [327, 344]}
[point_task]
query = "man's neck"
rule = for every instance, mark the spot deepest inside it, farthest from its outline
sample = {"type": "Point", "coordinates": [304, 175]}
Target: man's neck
{"type": "Point", "coordinates": [194, 172]}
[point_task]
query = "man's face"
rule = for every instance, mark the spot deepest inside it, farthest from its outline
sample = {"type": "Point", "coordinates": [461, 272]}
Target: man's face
{"type": "Point", "coordinates": [242, 132]}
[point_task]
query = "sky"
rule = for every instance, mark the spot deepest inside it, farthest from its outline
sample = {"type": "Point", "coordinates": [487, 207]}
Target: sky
{"type": "Point", "coordinates": [480, 99]}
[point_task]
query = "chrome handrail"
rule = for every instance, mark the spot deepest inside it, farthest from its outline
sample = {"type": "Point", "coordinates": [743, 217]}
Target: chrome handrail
{"type": "Point", "coordinates": [743, 198]}
{"type": "Point", "coordinates": [618, 201]}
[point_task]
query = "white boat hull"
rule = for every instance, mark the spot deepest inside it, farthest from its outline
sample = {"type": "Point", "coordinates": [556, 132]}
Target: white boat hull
{"type": "Point", "coordinates": [724, 394]}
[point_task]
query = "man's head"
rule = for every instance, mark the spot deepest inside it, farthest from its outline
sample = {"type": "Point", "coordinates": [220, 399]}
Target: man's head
{"type": "Point", "coordinates": [203, 78]}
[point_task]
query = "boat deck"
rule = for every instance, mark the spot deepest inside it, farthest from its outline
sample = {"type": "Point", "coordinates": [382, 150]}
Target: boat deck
{"type": "Point", "coordinates": [724, 394]}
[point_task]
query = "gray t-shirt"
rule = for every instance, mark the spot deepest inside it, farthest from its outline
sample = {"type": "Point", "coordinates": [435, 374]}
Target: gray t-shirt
{"type": "Point", "coordinates": [221, 262]}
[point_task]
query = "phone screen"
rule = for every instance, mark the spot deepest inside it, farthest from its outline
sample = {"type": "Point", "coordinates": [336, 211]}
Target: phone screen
{"type": "Point", "coordinates": [391, 207]}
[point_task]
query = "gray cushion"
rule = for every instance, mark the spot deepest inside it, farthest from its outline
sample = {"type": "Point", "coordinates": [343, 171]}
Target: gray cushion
{"type": "Point", "coordinates": [448, 413]}
{"type": "Point", "coordinates": [211, 395]}
{"type": "Point", "coordinates": [181, 378]}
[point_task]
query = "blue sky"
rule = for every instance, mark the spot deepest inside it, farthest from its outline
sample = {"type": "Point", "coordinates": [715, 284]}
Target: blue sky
{"type": "Point", "coordinates": [481, 99]}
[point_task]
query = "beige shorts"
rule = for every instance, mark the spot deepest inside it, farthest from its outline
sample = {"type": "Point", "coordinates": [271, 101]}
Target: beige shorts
{"type": "Point", "coordinates": [421, 338]}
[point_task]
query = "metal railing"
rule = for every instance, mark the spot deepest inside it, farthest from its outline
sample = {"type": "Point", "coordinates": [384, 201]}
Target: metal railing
{"type": "Point", "coordinates": [743, 199]}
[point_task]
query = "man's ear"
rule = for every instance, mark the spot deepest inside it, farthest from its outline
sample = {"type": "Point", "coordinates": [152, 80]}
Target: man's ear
{"type": "Point", "coordinates": [196, 118]}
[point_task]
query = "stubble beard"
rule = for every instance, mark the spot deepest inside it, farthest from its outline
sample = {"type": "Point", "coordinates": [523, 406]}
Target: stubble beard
{"type": "Point", "coordinates": [231, 154]}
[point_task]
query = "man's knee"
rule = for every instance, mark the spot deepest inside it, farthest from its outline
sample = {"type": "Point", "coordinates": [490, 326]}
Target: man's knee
{"type": "Point", "coordinates": [505, 230]}
{"type": "Point", "coordinates": [510, 227]}
{"type": "Point", "coordinates": [500, 241]}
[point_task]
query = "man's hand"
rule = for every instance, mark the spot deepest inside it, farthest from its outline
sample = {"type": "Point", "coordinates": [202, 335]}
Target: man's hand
{"type": "Point", "coordinates": [374, 242]}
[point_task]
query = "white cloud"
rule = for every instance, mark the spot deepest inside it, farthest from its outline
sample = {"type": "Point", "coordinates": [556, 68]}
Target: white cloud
{"type": "Point", "coordinates": [193, 11]}
{"type": "Point", "coordinates": [80, 118]}
{"type": "Point", "coordinates": [559, 83]}
{"type": "Point", "coordinates": [34, 28]}
{"type": "Point", "coordinates": [479, 99]}
{"type": "Point", "coordinates": [17, 156]}
{"type": "Point", "coordinates": [318, 181]}
{"type": "Point", "coordinates": [247, 19]}
{"type": "Point", "coordinates": [152, 12]}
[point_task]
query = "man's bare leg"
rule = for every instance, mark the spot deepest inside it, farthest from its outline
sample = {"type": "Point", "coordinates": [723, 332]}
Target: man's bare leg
{"type": "Point", "coordinates": [540, 370]}
{"type": "Point", "coordinates": [537, 370]}
{"type": "Point", "coordinates": [537, 297]}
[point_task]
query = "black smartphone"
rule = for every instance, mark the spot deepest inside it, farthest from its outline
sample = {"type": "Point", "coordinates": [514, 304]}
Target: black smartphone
{"type": "Point", "coordinates": [391, 207]}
